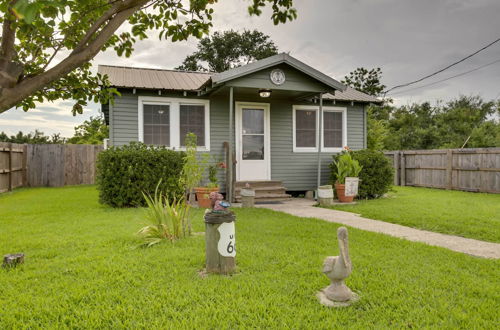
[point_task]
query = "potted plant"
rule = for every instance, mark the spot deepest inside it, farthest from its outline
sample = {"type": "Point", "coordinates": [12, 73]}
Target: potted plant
{"type": "Point", "coordinates": [346, 167]}
{"type": "Point", "coordinates": [203, 193]}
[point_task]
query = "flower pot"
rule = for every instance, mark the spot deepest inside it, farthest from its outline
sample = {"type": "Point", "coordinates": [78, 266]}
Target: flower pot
{"type": "Point", "coordinates": [340, 189]}
{"type": "Point", "coordinates": [203, 196]}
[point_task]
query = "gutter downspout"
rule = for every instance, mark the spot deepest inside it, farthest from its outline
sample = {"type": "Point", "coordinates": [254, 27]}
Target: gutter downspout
{"type": "Point", "coordinates": [320, 127]}
{"type": "Point", "coordinates": [230, 156]}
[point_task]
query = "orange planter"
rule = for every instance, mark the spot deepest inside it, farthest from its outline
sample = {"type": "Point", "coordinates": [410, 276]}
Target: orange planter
{"type": "Point", "coordinates": [203, 196]}
{"type": "Point", "coordinates": [340, 188]}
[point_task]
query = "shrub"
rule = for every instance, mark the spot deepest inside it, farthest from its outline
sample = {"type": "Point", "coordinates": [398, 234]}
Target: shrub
{"type": "Point", "coordinates": [376, 176]}
{"type": "Point", "coordinates": [125, 173]}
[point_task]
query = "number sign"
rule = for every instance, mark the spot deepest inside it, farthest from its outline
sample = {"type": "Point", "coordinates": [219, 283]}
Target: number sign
{"type": "Point", "coordinates": [227, 241]}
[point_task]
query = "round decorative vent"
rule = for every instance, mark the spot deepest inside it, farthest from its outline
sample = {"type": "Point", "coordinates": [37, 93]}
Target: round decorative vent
{"type": "Point", "coordinates": [277, 77]}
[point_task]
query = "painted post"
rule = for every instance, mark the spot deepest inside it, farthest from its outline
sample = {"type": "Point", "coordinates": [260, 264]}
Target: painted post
{"type": "Point", "coordinates": [229, 188]}
{"type": "Point", "coordinates": [220, 243]}
{"type": "Point", "coordinates": [318, 138]}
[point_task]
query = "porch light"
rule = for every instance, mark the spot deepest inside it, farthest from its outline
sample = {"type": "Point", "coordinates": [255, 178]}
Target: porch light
{"type": "Point", "coordinates": [264, 92]}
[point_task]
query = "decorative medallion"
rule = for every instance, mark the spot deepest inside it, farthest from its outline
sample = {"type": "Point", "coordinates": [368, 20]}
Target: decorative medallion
{"type": "Point", "coordinates": [277, 77]}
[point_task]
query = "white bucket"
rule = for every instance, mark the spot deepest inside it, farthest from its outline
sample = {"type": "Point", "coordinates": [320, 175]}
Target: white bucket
{"type": "Point", "coordinates": [325, 191]}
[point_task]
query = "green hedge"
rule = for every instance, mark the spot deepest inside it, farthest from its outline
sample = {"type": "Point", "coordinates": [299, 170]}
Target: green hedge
{"type": "Point", "coordinates": [376, 177]}
{"type": "Point", "coordinates": [123, 173]}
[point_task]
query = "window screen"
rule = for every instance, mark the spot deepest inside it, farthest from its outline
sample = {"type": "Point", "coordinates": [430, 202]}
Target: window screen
{"type": "Point", "coordinates": [157, 124]}
{"type": "Point", "coordinates": [192, 120]}
{"type": "Point", "coordinates": [305, 129]}
{"type": "Point", "coordinates": [332, 129]}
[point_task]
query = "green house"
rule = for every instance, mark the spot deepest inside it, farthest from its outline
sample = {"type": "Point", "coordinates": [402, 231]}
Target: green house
{"type": "Point", "coordinates": [282, 119]}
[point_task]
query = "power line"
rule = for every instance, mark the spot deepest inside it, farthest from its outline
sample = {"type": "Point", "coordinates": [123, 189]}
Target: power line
{"type": "Point", "coordinates": [445, 79]}
{"type": "Point", "coordinates": [445, 68]}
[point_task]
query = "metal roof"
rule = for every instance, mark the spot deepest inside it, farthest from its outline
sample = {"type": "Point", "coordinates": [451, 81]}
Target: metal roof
{"type": "Point", "coordinates": [130, 77]}
{"type": "Point", "coordinates": [271, 61]}
{"type": "Point", "coordinates": [351, 94]}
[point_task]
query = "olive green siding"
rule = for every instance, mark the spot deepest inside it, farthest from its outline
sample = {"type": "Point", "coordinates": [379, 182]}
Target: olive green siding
{"type": "Point", "coordinates": [297, 170]}
{"type": "Point", "coordinates": [295, 81]}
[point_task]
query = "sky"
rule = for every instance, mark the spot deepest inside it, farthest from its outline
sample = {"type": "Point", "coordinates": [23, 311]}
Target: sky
{"type": "Point", "coordinates": [407, 39]}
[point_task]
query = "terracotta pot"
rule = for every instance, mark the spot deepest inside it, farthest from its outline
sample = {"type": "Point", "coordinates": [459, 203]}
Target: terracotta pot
{"type": "Point", "coordinates": [340, 189]}
{"type": "Point", "coordinates": [203, 196]}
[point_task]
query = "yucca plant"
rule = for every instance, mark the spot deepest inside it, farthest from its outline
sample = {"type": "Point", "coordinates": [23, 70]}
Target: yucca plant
{"type": "Point", "coordinates": [168, 219]}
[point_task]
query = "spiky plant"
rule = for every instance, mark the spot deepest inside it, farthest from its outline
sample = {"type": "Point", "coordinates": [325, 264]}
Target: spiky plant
{"type": "Point", "coordinates": [168, 220]}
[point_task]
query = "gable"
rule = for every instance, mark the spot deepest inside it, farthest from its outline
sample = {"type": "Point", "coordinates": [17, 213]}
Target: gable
{"type": "Point", "coordinates": [295, 80]}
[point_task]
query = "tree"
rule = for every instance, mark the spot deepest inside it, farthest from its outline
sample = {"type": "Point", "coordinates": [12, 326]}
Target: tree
{"type": "Point", "coordinates": [229, 49]}
{"type": "Point", "coordinates": [369, 82]}
{"type": "Point", "coordinates": [46, 45]}
{"type": "Point", "coordinates": [36, 137]}
{"type": "Point", "coordinates": [92, 131]}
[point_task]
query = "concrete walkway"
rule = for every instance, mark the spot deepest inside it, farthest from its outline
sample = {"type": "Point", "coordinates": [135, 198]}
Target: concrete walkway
{"type": "Point", "coordinates": [305, 208]}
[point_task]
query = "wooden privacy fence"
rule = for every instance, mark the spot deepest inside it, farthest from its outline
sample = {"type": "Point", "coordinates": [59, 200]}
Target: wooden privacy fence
{"type": "Point", "coordinates": [53, 165]}
{"type": "Point", "coordinates": [476, 170]}
{"type": "Point", "coordinates": [12, 166]}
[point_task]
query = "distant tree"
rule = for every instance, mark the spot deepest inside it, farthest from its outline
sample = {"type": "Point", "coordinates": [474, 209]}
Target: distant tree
{"type": "Point", "coordinates": [366, 81]}
{"type": "Point", "coordinates": [370, 82]}
{"type": "Point", "coordinates": [92, 131]}
{"type": "Point", "coordinates": [36, 137]}
{"type": "Point", "coordinates": [229, 49]}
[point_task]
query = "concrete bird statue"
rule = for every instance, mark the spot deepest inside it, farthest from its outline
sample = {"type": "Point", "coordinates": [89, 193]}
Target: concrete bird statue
{"type": "Point", "coordinates": [337, 269]}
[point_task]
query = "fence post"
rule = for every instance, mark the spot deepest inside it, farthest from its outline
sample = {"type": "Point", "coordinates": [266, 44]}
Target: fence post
{"type": "Point", "coordinates": [395, 164]}
{"type": "Point", "coordinates": [10, 166]}
{"type": "Point", "coordinates": [403, 169]}
{"type": "Point", "coordinates": [449, 169]}
{"type": "Point", "coordinates": [25, 165]}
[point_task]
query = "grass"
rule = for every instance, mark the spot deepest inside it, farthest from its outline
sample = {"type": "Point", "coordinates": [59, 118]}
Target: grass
{"type": "Point", "coordinates": [472, 215]}
{"type": "Point", "coordinates": [83, 270]}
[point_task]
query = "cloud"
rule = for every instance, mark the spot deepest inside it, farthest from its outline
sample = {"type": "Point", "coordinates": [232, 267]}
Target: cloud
{"type": "Point", "coordinates": [407, 39]}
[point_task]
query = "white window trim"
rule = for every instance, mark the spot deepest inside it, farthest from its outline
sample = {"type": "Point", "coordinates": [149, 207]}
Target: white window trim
{"type": "Point", "coordinates": [174, 104]}
{"type": "Point", "coordinates": [344, 129]}
{"type": "Point", "coordinates": [294, 128]}
{"type": "Point", "coordinates": [315, 108]}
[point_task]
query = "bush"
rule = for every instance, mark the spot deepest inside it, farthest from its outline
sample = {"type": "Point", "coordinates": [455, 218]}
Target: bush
{"type": "Point", "coordinates": [377, 174]}
{"type": "Point", "coordinates": [125, 173]}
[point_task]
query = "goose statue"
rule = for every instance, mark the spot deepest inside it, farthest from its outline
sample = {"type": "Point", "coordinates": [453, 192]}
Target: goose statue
{"type": "Point", "coordinates": [337, 269]}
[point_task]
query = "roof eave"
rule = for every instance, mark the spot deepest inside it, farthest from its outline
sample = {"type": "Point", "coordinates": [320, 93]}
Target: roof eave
{"type": "Point", "coordinates": [272, 61]}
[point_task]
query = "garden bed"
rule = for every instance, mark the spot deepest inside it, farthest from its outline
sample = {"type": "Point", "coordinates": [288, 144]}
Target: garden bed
{"type": "Point", "coordinates": [83, 270]}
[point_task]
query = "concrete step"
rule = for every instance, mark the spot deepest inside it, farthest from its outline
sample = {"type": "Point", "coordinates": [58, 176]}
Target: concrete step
{"type": "Point", "coordinates": [257, 184]}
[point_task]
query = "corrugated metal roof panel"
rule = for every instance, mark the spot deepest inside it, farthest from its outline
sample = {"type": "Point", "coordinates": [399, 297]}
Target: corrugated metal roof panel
{"type": "Point", "coordinates": [130, 77]}
{"type": "Point", "coordinates": [350, 94]}
{"type": "Point", "coordinates": [154, 78]}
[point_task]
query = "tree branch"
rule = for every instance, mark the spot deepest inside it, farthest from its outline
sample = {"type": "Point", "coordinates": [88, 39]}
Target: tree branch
{"type": "Point", "coordinates": [12, 96]}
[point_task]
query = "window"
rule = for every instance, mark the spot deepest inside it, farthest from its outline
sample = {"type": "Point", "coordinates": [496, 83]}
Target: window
{"type": "Point", "coordinates": [166, 121]}
{"type": "Point", "coordinates": [192, 120]}
{"type": "Point", "coordinates": [305, 125]}
{"type": "Point", "coordinates": [332, 129]}
{"type": "Point", "coordinates": [305, 128]}
{"type": "Point", "coordinates": [157, 124]}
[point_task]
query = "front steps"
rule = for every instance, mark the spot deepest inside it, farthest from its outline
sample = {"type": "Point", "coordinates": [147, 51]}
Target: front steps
{"type": "Point", "coordinates": [265, 191]}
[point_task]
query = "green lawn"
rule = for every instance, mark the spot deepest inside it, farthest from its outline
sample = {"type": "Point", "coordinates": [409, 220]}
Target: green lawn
{"type": "Point", "coordinates": [472, 215]}
{"type": "Point", "coordinates": [83, 270]}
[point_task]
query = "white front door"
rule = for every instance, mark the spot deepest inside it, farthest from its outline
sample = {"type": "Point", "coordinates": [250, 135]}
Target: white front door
{"type": "Point", "coordinates": [253, 154]}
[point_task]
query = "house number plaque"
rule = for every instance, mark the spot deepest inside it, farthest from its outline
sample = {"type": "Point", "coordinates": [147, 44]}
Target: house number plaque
{"type": "Point", "coordinates": [227, 242]}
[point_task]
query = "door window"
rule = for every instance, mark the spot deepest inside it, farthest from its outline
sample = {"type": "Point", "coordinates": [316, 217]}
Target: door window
{"type": "Point", "coordinates": [252, 134]}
